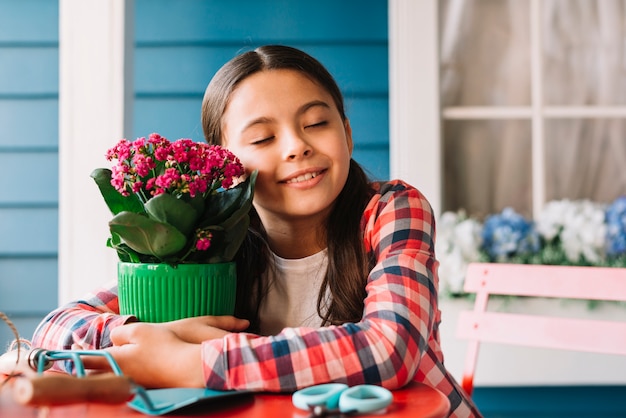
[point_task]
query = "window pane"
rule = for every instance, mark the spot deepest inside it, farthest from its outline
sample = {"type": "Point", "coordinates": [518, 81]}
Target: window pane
{"type": "Point", "coordinates": [584, 52]}
{"type": "Point", "coordinates": [487, 166]}
{"type": "Point", "coordinates": [485, 53]}
{"type": "Point", "coordinates": [585, 159]}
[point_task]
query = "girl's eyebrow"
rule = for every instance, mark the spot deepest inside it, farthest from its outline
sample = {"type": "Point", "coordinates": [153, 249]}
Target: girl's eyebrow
{"type": "Point", "coordinates": [302, 109]}
{"type": "Point", "coordinates": [311, 104]}
{"type": "Point", "coordinates": [257, 121]}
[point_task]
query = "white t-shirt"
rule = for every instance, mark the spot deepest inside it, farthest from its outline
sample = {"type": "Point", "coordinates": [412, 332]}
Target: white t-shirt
{"type": "Point", "coordinates": [292, 296]}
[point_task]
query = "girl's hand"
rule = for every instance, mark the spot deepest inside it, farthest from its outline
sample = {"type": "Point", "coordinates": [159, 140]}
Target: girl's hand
{"type": "Point", "coordinates": [165, 354]}
{"type": "Point", "coordinates": [154, 356]}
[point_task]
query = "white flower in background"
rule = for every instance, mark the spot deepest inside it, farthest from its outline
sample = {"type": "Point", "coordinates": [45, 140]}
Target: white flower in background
{"type": "Point", "coordinates": [580, 226]}
{"type": "Point", "coordinates": [458, 243]}
{"type": "Point", "coordinates": [584, 232]}
{"type": "Point", "coordinates": [549, 223]}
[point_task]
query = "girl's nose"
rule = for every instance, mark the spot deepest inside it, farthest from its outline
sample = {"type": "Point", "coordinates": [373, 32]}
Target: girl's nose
{"type": "Point", "coordinates": [295, 155]}
{"type": "Point", "coordinates": [297, 147]}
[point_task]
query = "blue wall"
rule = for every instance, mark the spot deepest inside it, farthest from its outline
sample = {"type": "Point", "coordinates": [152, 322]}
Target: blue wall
{"type": "Point", "coordinates": [29, 154]}
{"type": "Point", "coordinates": [180, 48]}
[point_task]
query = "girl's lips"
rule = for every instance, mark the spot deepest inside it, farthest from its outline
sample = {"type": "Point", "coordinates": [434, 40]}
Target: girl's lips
{"type": "Point", "coordinates": [305, 179]}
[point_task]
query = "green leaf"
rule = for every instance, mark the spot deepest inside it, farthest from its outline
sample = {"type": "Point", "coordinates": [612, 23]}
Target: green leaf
{"type": "Point", "coordinates": [224, 204]}
{"type": "Point", "coordinates": [124, 252]}
{"type": "Point", "coordinates": [114, 199]}
{"type": "Point", "coordinates": [234, 236]}
{"type": "Point", "coordinates": [197, 202]}
{"type": "Point", "coordinates": [147, 236]}
{"type": "Point", "coordinates": [168, 209]}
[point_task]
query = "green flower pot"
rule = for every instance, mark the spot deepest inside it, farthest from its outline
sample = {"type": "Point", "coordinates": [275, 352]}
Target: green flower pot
{"type": "Point", "coordinates": [161, 293]}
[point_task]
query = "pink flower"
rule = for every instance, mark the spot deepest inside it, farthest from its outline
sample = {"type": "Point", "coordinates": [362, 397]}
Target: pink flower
{"type": "Point", "coordinates": [139, 143]}
{"type": "Point", "coordinates": [198, 186]}
{"type": "Point", "coordinates": [121, 151]}
{"type": "Point", "coordinates": [143, 164]}
{"type": "Point", "coordinates": [180, 150]}
{"type": "Point", "coordinates": [137, 187]}
{"type": "Point", "coordinates": [203, 240]}
{"type": "Point", "coordinates": [155, 138]}
{"type": "Point", "coordinates": [203, 244]}
{"type": "Point", "coordinates": [168, 178]}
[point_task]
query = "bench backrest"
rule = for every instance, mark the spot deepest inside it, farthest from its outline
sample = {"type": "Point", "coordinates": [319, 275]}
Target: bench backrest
{"type": "Point", "coordinates": [588, 283]}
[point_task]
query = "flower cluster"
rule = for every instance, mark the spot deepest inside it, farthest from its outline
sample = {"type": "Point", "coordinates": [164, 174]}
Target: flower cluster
{"type": "Point", "coordinates": [159, 166]}
{"type": "Point", "coordinates": [509, 234]}
{"type": "Point", "coordinates": [564, 233]}
{"type": "Point", "coordinates": [175, 202]}
{"type": "Point", "coordinates": [458, 243]}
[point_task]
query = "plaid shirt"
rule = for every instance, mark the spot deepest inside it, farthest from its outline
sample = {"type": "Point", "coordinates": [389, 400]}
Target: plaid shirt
{"type": "Point", "coordinates": [397, 340]}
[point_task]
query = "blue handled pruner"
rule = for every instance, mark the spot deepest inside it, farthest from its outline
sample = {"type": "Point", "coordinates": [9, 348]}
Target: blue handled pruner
{"type": "Point", "coordinates": [149, 402]}
{"type": "Point", "coordinates": [338, 398]}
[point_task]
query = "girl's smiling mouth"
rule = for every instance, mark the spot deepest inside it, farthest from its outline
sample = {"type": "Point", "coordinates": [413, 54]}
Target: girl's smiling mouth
{"type": "Point", "coordinates": [304, 177]}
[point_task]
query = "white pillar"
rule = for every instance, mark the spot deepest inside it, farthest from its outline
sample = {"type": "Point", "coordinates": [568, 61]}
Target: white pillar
{"type": "Point", "coordinates": [414, 115]}
{"type": "Point", "coordinates": [95, 101]}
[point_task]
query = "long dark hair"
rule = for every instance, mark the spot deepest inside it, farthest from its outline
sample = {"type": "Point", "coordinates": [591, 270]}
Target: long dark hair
{"type": "Point", "coordinates": [348, 266]}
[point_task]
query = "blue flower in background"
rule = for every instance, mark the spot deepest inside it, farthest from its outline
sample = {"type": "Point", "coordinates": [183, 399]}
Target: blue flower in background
{"type": "Point", "coordinates": [509, 234]}
{"type": "Point", "coordinates": [616, 227]}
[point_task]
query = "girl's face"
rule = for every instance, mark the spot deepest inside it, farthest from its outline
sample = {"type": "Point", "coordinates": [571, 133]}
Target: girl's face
{"type": "Point", "coordinates": [286, 126]}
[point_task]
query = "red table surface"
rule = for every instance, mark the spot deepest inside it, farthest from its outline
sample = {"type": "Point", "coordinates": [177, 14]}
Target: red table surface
{"type": "Point", "coordinates": [416, 400]}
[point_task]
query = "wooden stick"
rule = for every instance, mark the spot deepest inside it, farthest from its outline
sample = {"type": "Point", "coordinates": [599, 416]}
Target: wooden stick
{"type": "Point", "coordinates": [59, 389]}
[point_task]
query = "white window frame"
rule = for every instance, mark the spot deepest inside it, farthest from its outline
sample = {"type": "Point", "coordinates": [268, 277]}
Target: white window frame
{"type": "Point", "coordinates": [416, 114]}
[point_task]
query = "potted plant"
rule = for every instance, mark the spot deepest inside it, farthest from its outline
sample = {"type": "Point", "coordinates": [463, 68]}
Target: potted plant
{"type": "Point", "coordinates": [180, 213]}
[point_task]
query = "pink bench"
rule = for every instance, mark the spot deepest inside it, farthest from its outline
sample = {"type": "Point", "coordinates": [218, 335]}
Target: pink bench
{"type": "Point", "coordinates": [590, 283]}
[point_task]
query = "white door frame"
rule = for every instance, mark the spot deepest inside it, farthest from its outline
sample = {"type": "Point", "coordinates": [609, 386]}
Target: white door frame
{"type": "Point", "coordinates": [95, 103]}
{"type": "Point", "coordinates": [414, 106]}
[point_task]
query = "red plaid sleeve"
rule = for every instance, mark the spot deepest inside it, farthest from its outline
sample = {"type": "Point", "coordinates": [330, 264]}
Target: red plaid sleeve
{"type": "Point", "coordinates": [84, 324]}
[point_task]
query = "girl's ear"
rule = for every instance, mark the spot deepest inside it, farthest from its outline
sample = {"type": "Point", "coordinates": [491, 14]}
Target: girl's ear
{"type": "Point", "coordinates": [348, 130]}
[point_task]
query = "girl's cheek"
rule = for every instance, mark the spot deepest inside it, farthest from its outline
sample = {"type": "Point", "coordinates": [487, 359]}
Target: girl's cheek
{"type": "Point", "coordinates": [250, 162]}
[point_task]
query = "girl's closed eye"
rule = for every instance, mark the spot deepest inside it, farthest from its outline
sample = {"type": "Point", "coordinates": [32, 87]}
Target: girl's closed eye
{"type": "Point", "coordinates": [261, 140]}
{"type": "Point", "coordinates": [317, 125]}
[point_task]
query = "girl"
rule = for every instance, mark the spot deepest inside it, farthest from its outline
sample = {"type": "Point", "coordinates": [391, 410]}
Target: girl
{"type": "Point", "coordinates": [338, 276]}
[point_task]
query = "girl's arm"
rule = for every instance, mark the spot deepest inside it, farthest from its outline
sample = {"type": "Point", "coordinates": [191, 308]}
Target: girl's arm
{"type": "Point", "coordinates": [95, 323]}
{"type": "Point", "coordinates": [385, 348]}
{"type": "Point", "coordinates": [84, 324]}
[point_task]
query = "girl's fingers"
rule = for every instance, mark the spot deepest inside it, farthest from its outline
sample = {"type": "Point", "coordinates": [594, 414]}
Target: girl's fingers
{"type": "Point", "coordinates": [193, 330]}
{"type": "Point", "coordinates": [202, 328]}
{"type": "Point", "coordinates": [132, 332]}
{"type": "Point", "coordinates": [228, 323]}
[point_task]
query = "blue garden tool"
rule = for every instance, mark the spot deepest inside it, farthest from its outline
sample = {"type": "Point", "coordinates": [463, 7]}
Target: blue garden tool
{"type": "Point", "coordinates": [338, 398]}
{"type": "Point", "coordinates": [60, 389]}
